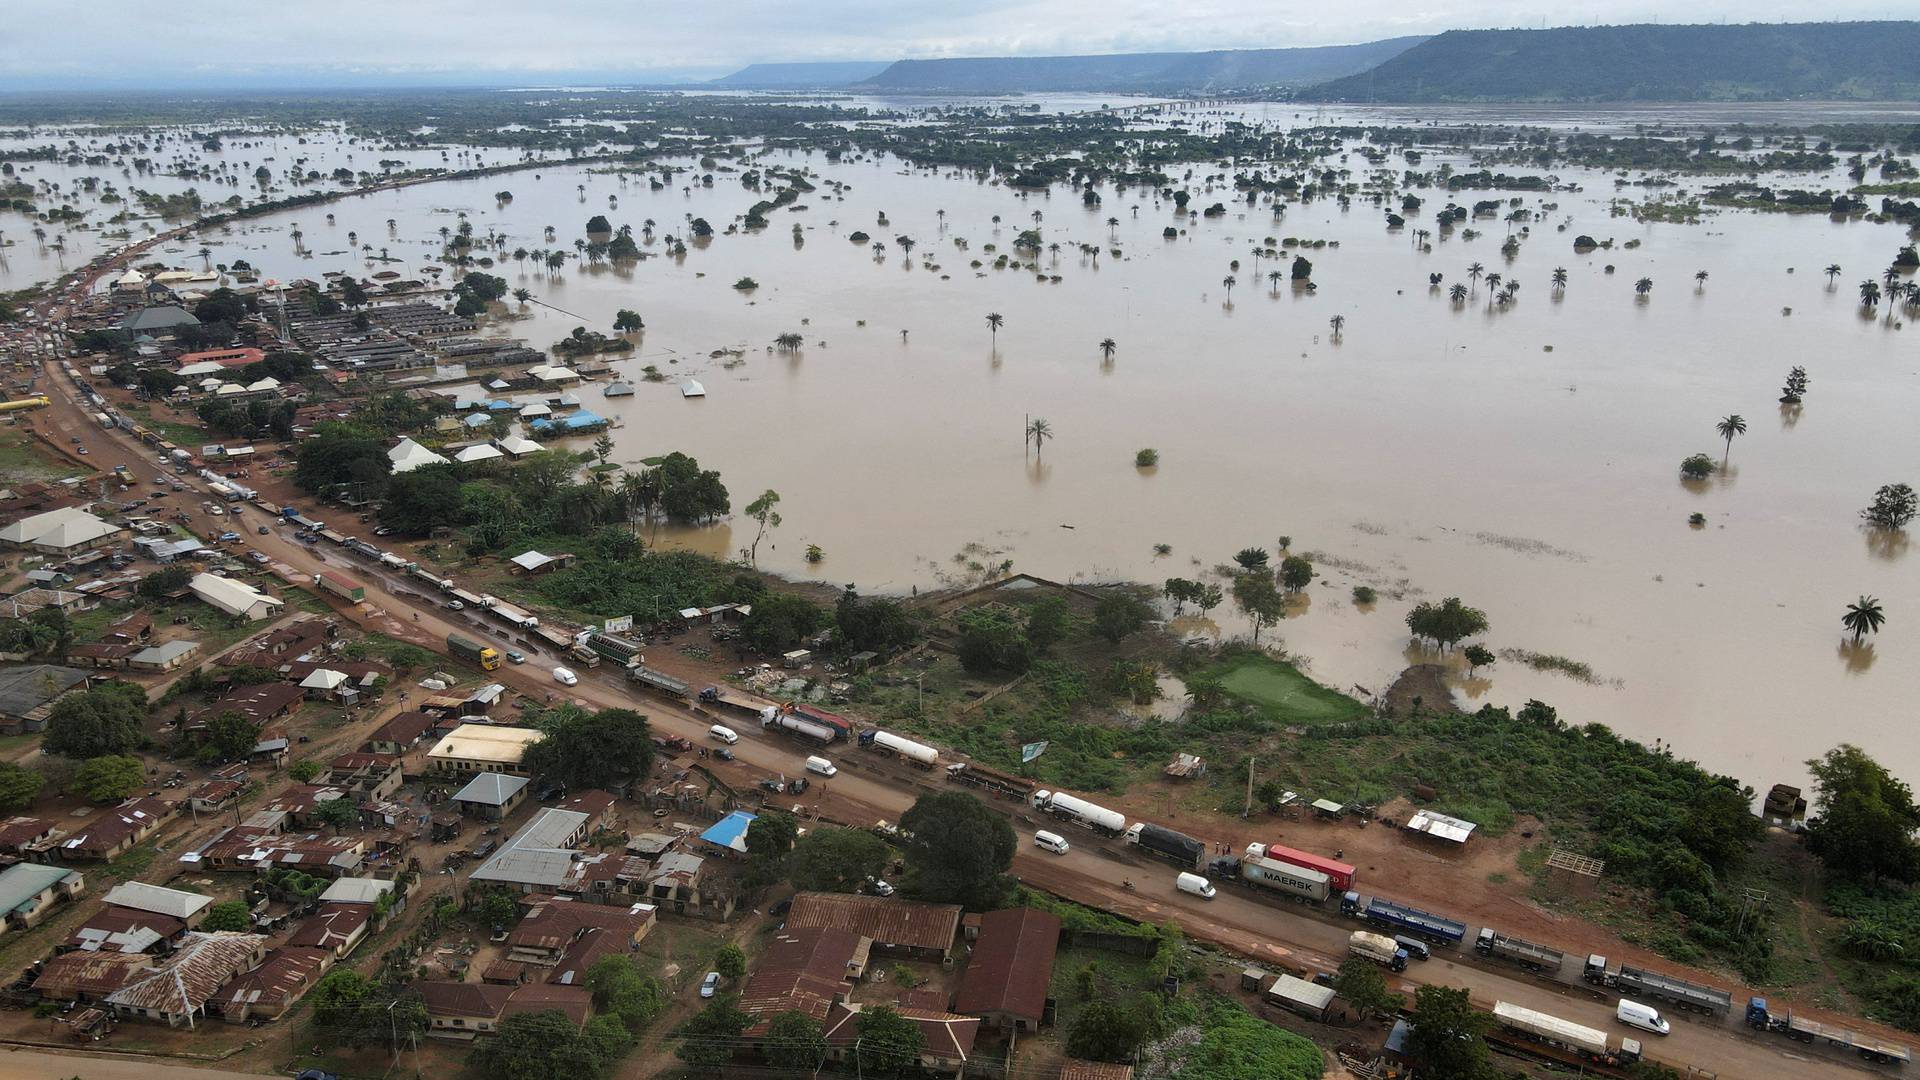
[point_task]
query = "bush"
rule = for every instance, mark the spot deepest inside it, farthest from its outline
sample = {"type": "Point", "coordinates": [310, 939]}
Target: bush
{"type": "Point", "coordinates": [1364, 594]}
{"type": "Point", "coordinates": [1697, 467]}
{"type": "Point", "coordinates": [1146, 459]}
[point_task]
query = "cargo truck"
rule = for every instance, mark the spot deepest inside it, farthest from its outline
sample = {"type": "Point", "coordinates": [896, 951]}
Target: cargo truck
{"type": "Point", "coordinates": [1578, 1041]}
{"type": "Point", "coordinates": [1300, 883]}
{"type": "Point", "coordinates": [1525, 953]}
{"type": "Point", "coordinates": [1338, 873]}
{"type": "Point", "coordinates": [1801, 1029]}
{"type": "Point", "coordinates": [473, 652]}
{"type": "Point", "coordinates": [1378, 948]}
{"type": "Point", "coordinates": [842, 727]}
{"type": "Point", "coordinates": [340, 585]}
{"type": "Point", "coordinates": [991, 780]}
{"type": "Point", "coordinates": [795, 724]}
{"type": "Point", "coordinates": [622, 651]}
{"type": "Point", "coordinates": [1641, 983]}
{"type": "Point", "coordinates": [657, 680]}
{"type": "Point", "coordinates": [1399, 918]}
{"type": "Point", "coordinates": [1079, 812]}
{"type": "Point", "coordinates": [1176, 847]}
{"type": "Point", "coordinates": [919, 754]}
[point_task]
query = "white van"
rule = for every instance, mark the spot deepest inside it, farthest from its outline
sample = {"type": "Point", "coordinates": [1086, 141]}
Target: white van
{"type": "Point", "coordinates": [724, 733]}
{"type": "Point", "coordinates": [821, 766]}
{"type": "Point", "coordinates": [1053, 842]}
{"type": "Point", "coordinates": [1195, 884]}
{"type": "Point", "coordinates": [565, 677]}
{"type": "Point", "coordinates": [1644, 1017]}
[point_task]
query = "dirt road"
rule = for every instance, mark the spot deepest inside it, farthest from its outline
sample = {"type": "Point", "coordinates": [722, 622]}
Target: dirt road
{"type": "Point", "coordinates": [869, 789]}
{"type": "Point", "coordinates": [88, 1065]}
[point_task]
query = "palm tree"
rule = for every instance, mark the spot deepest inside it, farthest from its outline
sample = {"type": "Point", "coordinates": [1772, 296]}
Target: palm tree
{"type": "Point", "coordinates": [1338, 322]}
{"type": "Point", "coordinates": [1832, 271]}
{"type": "Point", "coordinates": [1458, 293]}
{"type": "Point", "coordinates": [1474, 271]}
{"type": "Point", "coordinates": [1039, 431]}
{"type": "Point", "coordinates": [1643, 286]}
{"type": "Point", "coordinates": [1864, 616]}
{"type": "Point", "coordinates": [995, 321]}
{"type": "Point", "coordinates": [1729, 426]}
{"type": "Point", "coordinates": [1107, 346]}
{"type": "Point", "coordinates": [1700, 278]}
{"type": "Point", "coordinates": [788, 341]}
{"type": "Point", "coordinates": [1493, 286]}
{"type": "Point", "coordinates": [1559, 279]}
{"type": "Point", "coordinates": [522, 295]}
{"type": "Point", "coordinates": [1274, 278]}
{"type": "Point", "coordinates": [1869, 293]}
{"type": "Point", "coordinates": [1228, 282]}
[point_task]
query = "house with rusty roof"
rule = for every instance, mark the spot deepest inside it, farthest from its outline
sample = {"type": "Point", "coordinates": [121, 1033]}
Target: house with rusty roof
{"type": "Point", "coordinates": [21, 835]}
{"type": "Point", "coordinates": [810, 970]}
{"type": "Point", "coordinates": [335, 928]}
{"type": "Point", "coordinates": [463, 1010]}
{"type": "Point", "coordinates": [907, 927]}
{"type": "Point", "coordinates": [268, 991]}
{"type": "Point", "coordinates": [178, 989]}
{"type": "Point", "coordinates": [253, 847]}
{"type": "Point", "coordinates": [88, 976]}
{"type": "Point", "coordinates": [552, 926]}
{"type": "Point", "coordinates": [301, 802]}
{"type": "Point", "coordinates": [117, 830]}
{"type": "Point", "coordinates": [124, 930]}
{"type": "Point", "coordinates": [257, 704]}
{"type": "Point", "coordinates": [402, 733]}
{"type": "Point", "coordinates": [367, 777]}
{"type": "Point", "coordinates": [1006, 980]}
{"type": "Point", "coordinates": [948, 1036]}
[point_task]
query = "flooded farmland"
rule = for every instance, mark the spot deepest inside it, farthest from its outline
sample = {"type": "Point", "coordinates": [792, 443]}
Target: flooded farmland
{"type": "Point", "coordinates": [1522, 456]}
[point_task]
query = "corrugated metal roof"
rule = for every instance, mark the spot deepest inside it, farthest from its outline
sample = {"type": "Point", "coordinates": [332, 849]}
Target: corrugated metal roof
{"type": "Point", "coordinates": [886, 920]}
{"type": "Point", "coordinates": [157, 899]}
{"type": "Point", "coordinates": [1012, 964]}
{"type": "Point", "coordinates": [187, 979]}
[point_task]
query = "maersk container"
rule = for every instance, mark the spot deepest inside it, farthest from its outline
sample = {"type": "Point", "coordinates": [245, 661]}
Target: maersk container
{"type": "Point", "coordinates": [1341, 874]}
{"type": "Point", "coordinates": [1300, 882]}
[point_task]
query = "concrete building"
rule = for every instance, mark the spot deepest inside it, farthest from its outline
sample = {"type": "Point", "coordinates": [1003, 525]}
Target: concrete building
{"type": "Point", "coordinates": [29, 890]}
{"type": "Point", "coordinates": [540, 857]}
{"type": "Point", "coordinates": [116, 830]}
{"type": "Point", "coordinates": [492, 796]}
{"type": "Point", "coordinates": [27, 694]}
{"type": "Point", "coordinates": [188, 907]}
{"type": "Point", "coordinates": [268, 991]}
{"type": "Point", "coordinates": [1006, 980]}
{"type": "Point", "coordinates": [235, 598]}
{"type": "Point", "coordinates": [66, 531]}
{"type": "Point", "coordinates": [474, 748]}
{"type": "Point", "coordinates": [165, 656]}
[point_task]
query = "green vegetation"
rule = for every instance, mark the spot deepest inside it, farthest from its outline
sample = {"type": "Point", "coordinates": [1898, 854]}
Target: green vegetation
{"type": "Point", "coordinates": [1280, 687]}
{"type": "Point", "coordinates": [586, 750]}
{"type": "Point", "coordinates": [957, 850]}
{"type": "Point", "coordinates": [108, 779]}
{"type": "Point", "coordinates": [102, 721]}
{"type": "Point", "coordinates": [832, 859]}
{"type": "Point", "coordinates": [227, 915]}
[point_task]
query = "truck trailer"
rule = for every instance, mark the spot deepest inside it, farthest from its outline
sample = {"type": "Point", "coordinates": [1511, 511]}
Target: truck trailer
{"type": "Point", "coordinates": [842, 727]}
{"type": "Point", "coordinates": [622, 651]}
{"type": "Point", "coordinates": [1801, 1029]}
{"type": "Point", "coordinates": [657, 680]}
{"type": "Point", "coordinates": [1338, 873]}
{"type": "Point", "coordinates": [340, 585]}
{"type": "Point", "coordinates": [1176, 847]}
{"type": "Point", "coordinates": [1583, 1041]}
{"type": "Point", "coordinates": [1079, 812]}
{"type": "Point", "coordinates": [919, 754]}
{"type": "Point", "coordinates": [1641, 983]}
{"type": "Point", "coordinates": [1378, 948]}
{"type": "Point", "coordinates": [1300, 883]}
{"type": "Point", "coordinates": [1525, 953]}
{"type": "Point", "coordinates": [794, 723]}
{"type": "Point", "coordinates": [1002, 784]}
{"type": "Point", "coordinates": [486, 657]}
{"type": "Point", "coordinates": [1399, 918]}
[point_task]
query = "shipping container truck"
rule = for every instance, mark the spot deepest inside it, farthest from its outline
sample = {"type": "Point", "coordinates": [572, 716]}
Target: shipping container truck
{"type": "Point", "coordinates": [340, 585]}
{"type": "Point", "coordinates": [1176, 847]}
{"type": "Point", "coordinates": [842, 727]}
{"type": "Point", "coordinates": [1399, 918]}
{"type": "Point", "coordinates": [473, 652]}
{"type": "Point", "coordinates": [918, 754]}
{"type": "Point", "coordinates": [431, 578]}
{"type": "Point", "coordinates": [622, 651]}
{"type": "Point", "coordinates": [1578, 1039]}
{"type": "Point", "coordinates": [1641, 983]}
{"type": "Point", "coordinates": [1294, 882]}
{"type": "Point", "coordinates": [1378, 948]}
{"type": "Point", "coordinates": [1298, 995]}
{"type": "Point", "coordinates": [1525, 953]}
{"type": "Point", "coordinates": [658, 680]}
{"type": "Point", "coordinates": [793, 723]}
{"type": "Point", "coordinates": [1079, 812]}
{"type": "Point", "coordinates": [1339, 873]}
{"type": "Point", "coordinates": [1801, 1029]}
{"type": "Point", "coordinates": [1002, 784]}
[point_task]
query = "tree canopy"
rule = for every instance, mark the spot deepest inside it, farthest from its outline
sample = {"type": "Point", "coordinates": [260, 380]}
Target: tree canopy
{"type": "Point", "coordinates": [110, 778]}
{"type": "Point", "coordinates": [1447, 623]}
{"type": "Point", "coordinates": [420, 499]}
{"type": "Point", "coordinates": [1447, 1035]}
{"type": "Point", "coordinates": [335, 454]}
{"type": "Point", "coordinates": [833, 859]}
{"type": "Point", "coordinates": [957, 850]}
{"type": "Point", "coordinates": [547, 1046]}
{"type": "Point", "coordinates": [103, 720]}
{"type": "Point", "coordinates": [890, 1045]}
{"type": "Point", "coordinates": [584, 750]}
{"type": "Point", "coordinates": [1864, 818]}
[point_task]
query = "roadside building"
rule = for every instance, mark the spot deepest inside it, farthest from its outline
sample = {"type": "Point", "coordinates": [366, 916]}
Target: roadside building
{"type": "Point", "coordinates": [268, 991]}
{"type": "Point", "coordinates": [492, 796]}
{"type": "Point", "coordinates": [29, 890]}
{"type": "Point", "coordinates": [907, 927]}
{"type": "Point", "coordinates": [235, 598]}
{"type": "Point", "coordinates": [67, 531]}
{"type": "Point", "coordinates": [89, 976]}
{"type": "Point", "coordinates": [1006, 980]}
{"type": "Point", "coordinates": [177, 990]}
{"type": "Point", "coordinates": [474, 748]}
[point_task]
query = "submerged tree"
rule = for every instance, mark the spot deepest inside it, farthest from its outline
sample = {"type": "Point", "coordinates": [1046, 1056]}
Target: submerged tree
{"type": "Point", "coordinates": [1729, 426]}
{"type": "Point", "coordinates": [1864, 616]}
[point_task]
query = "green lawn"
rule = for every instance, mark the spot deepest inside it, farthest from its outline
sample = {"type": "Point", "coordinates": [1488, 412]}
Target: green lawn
{"type": "Point", "coordinates": [1281, 687]}
{"type": "Point", "coordinates": [22, 459]}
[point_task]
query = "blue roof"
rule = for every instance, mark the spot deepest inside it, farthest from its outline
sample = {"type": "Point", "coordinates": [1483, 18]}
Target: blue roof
{"type": "Point", "coordinates": [729, 832]}
{"type": "Point", "coordinates": [478, 420]}
{"type": "Point", "coordinates": [578, 421]}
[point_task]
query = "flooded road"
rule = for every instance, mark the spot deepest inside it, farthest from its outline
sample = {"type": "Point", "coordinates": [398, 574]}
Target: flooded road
{"type": "Point", "coordinates": [1522, 458]}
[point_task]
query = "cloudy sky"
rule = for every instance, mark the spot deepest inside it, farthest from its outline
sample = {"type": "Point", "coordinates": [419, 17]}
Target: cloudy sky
{"type": "Point", "coordinates": [111, 44]}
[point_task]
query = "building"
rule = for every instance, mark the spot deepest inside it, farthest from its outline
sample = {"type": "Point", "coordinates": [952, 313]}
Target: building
{"type": "Point", "coordinates": [541, 856]}
{"type": "Point", "coordinates": [408, 455]}
{"type": "Point", "coordinates": [29, 890]}
{"type": "Point", "coordinates": [1006, 980]}
{"type": "Point", "coordinates": [534, 563]}
{"type": "Point", "coordinates": [923, 931]}
{"type": "Point", "coordinates": [226, 358]}
{"type": "Point", "coordinates": [336, 928]}
{"type": "Point", "coordinates": [29, 601]}
{"type": "Point", "coordinates": [809, 970]}
{"type": "Point", "coordinates": [601, 807]}
{"type": "Point", "coordinates": [27, 694]}
{"type": "Point", "coordinates": [552, 928]}
{"type": "Point", "coordinates": [177, 990]}
{"type": "Point", "coordinates": [268, 991]}
{"type": "Point", "coordinates": [257, 704]}
{"type": "Point", "coordinates": [89, 976]}
{"type": "Point", "coordinates": [365, 777]}
{"type": "Point", "coordinates": [117, 830]}
{"type": "Point", "coordinates": [165, 656]}
{"type": "Point", "coordinates": [1075, 1069]}
{"type": "Point", "coordinates": [253, 847]}
{"type": "Point", "coordinates": [125, 930]}
{"type": "Point", "coordinates": [949, 1037]}
{"type": "Point", "coordinates": [459, 1010]}
{"type": "Point", "coordinates": [400, 734]}
{"type": "Point", "coordinates": [356, 890]}
{"type": "Point", "coordinates": [20, 835]}
{"type": "Point", "coordinates": [235, 598]}
{"type": "Point", "coordinates": [66, 531]}
{"type": "Point", "coordinates": [472, 748]}
{"type": "Point", "coordinates": [188, 907]}
{"type": "Point", "coordinates": [492, 796]}
{"type": "Point", "coordinates": [160, 322]}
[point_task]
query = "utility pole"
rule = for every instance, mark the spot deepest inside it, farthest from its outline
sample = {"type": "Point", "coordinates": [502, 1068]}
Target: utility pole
{"type": "Point", "coordinates": [1248, 812]}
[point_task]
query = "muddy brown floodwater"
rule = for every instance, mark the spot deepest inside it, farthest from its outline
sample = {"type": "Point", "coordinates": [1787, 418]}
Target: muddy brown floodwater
{"type": "Point", "coordinates": [1523, 458]}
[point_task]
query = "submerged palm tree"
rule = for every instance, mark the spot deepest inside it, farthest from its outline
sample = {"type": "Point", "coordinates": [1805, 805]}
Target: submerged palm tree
{"type": "Point", "coordinates": [1273, 278]}
{"type": "Point", "coordinates": [1228, 282]}
{"type": "Point", "coordinates": [1559, 279]}
{"type": "Point", "coordinates": [1338, 322]}
{"type": "Point", "coordinates": [995, 321]}
{"type": "Point", "coordinates": [1643, 286]}
{"type": "Point", "coordinates": [1869, 293]}
{"type": "Point", "coordinates": [1700, 278]}
{"type": "Point", "coordinates": [1474, 271]}
{"type": "Point", "coordinates": [1729, 426]}
{"type": "Point", "coordinates": [1864, 616]}
{"type": "Point", "coordinates": [1458, 293]}
{"type": "Point", "coordinates": [1832, 271]}
{"type": "Point", "coordinates": [1038, 431]}
{"type": "Point", "coordinates": [1107, 345]}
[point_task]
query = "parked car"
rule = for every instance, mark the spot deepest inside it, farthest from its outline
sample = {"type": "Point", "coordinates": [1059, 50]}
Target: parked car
{"type": "Point", "coordinates": [384, 530]}
{"type": "Point", "coordinates": [710, 985]}
{"type": "Point", "coordinates": [515, 656]}
{"type": "Point", "coordinates": [258, 556]}
{"type": "Point", "coordinates": [229, 537]}
{"type": "Point", "coordinates": [723, 753]}
{"type": "Point", "coordinates": [264, 530]}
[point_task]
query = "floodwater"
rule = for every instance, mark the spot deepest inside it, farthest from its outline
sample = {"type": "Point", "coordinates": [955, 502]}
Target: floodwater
{"type": "Point", "coordinates": [1524, 459]}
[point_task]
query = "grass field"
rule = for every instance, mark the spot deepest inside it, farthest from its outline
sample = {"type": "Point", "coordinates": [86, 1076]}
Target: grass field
{"type": "Point", "coordinates": [1282, 688]}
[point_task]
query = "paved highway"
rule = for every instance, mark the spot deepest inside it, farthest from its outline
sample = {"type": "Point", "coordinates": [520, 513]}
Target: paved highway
{"type": "Point", "coordinates": [870, 788]}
